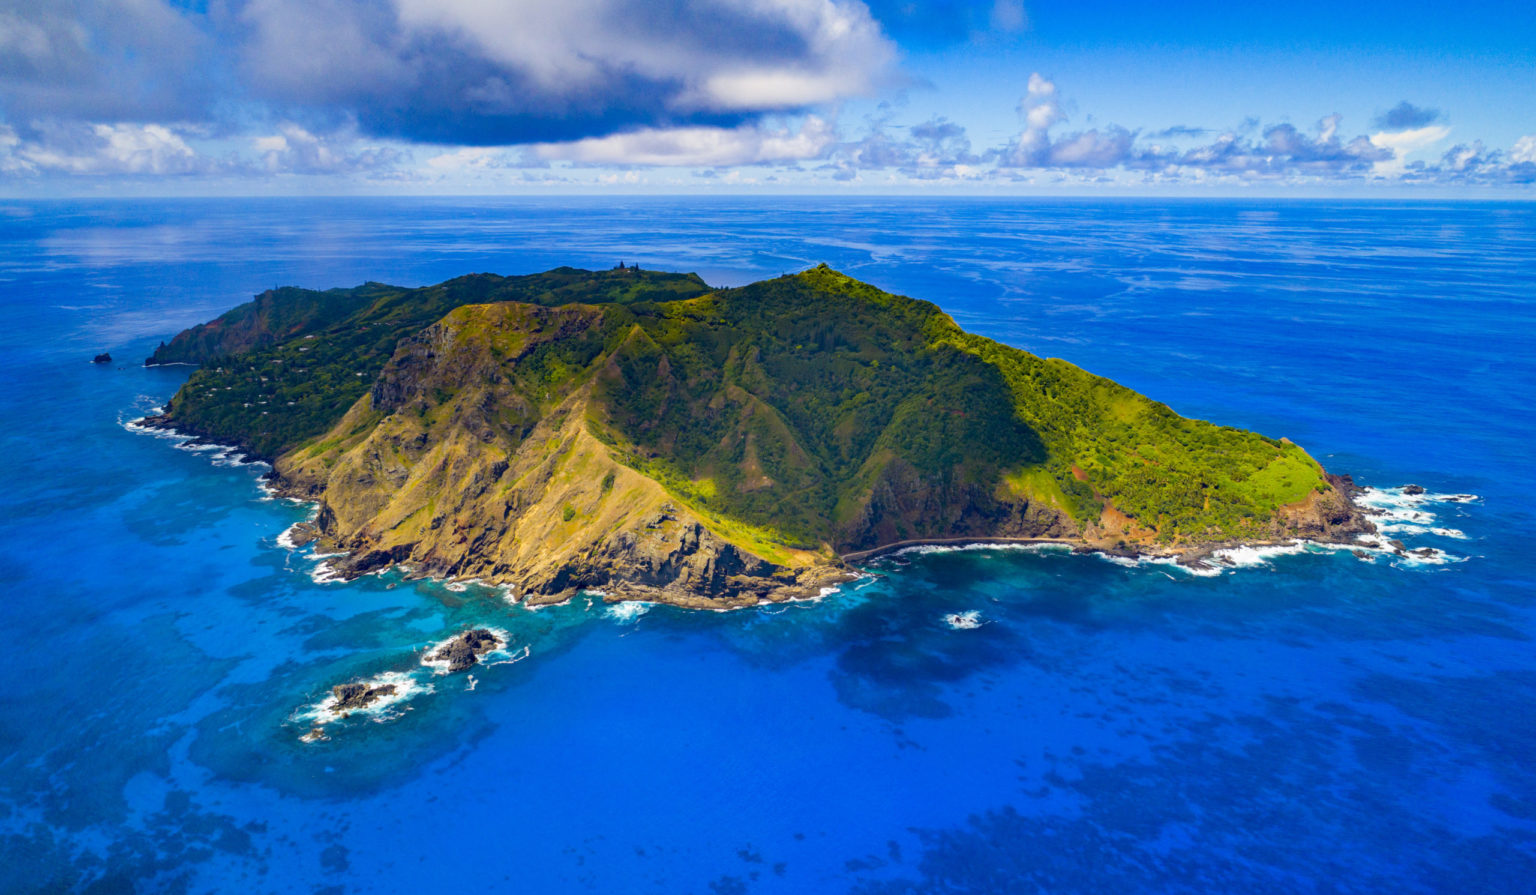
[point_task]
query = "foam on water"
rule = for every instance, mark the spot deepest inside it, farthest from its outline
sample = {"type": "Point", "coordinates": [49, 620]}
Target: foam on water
{"type": "Point", "coordinates": [968, 620]}
{"type": "Point", "coordinates": [933, 549]}
{"type": "Point", "coordinates": [504, 657]}
{"type": "Point", "coordinates": [1144, 562]}
{"type": "Point", "coordinates": [219, 454]}
{"type": "Point", "coordinates": [1396, 503]}
{"type": "Point", "coordinates": [324, 573]}
{"type": "Point", "coordinates": [628, 611]}
{"type": "Point", "coordinates": [385, 708]}
{"type": "Point", "coordinates": [136, 426]}
{"type": "Point", "coordinates": [285, 540]}
{"type": "Point", "coordinates": [1251, 556]}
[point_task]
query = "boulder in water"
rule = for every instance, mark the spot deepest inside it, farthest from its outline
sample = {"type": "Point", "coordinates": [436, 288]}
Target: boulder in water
{"type": "Point", "coordinates": [464, 651]}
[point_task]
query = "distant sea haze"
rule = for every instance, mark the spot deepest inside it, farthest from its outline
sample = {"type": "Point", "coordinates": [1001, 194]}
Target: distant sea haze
{"type": "Point", "coordinates": [971, 720]}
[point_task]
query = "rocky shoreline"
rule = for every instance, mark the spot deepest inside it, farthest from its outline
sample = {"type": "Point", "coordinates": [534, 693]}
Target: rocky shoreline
{"type": "Point", "coordinates": [164, 423]}
{"type": "Point", "coordinates": [1339, 521]}
{"type": "Point", "coordinates": [627, 572]}
{"type": "Point", "coordinates": [1344, 523]}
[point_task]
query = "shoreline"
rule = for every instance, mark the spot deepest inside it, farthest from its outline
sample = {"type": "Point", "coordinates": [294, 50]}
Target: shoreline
{"type": "Point", "coordinates": [1196, 558]}
{"type": "Point", "coordinates": [859, 556]}
{"type": "Point", "coordinates": [159, 422]}
{"type": "Point", "coordinates": [1193, 556]}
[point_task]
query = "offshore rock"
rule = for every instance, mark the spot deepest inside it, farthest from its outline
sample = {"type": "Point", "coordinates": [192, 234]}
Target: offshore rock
{"type": "Point", "coordinates": [464, 651]}
{"type": "Point", "coordinates": [355, 696]}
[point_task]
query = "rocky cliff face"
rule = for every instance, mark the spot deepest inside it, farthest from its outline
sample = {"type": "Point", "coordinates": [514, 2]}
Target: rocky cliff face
{"type": "Point", "coordinates": [903, 504]}
{"type": "Point", "coordinates": [1325, 515]}
{"type": "Point", "coordinates": [462, 462]}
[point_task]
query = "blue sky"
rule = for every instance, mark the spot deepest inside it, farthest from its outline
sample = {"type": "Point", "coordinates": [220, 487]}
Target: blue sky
{"type": "Point", "coordinates": [1002, 97]}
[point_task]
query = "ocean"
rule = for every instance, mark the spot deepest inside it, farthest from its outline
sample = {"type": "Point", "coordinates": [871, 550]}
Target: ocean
{"type": "Point", "coordinates": [959, 721]}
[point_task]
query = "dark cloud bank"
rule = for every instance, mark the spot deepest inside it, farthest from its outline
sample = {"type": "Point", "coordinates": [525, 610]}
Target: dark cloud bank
{"type": "Point", "coordinates": [463, 72]}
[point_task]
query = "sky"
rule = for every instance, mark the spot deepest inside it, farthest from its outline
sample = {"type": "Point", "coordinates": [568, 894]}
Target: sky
{"type": "Point", "coordinates": [1396, 99]}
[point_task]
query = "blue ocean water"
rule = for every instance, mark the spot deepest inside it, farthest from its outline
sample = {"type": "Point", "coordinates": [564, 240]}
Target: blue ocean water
{"type": "Point", "coordinates": [965, 721]}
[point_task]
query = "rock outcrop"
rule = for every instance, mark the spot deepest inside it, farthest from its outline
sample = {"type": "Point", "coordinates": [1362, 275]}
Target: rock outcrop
{"type": "Point", "coordinates": [464, 651]}
{"type": "Point", "coordinates": [355, 696]}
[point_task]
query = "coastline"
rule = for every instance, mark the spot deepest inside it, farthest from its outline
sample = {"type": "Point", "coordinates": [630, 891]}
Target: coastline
{"type": "Point", "coordinates": [1198, 559]}
{"type": "Point", "coordinates": [859, 556]}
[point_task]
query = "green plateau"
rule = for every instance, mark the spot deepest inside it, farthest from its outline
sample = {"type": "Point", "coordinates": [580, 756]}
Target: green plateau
{"type": "Point", "coordinates": [641, 434]}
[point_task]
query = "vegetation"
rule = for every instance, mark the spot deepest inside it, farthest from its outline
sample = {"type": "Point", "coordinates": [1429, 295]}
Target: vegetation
{"type": "Point", "coordinates": [796, 412]}
{"type": "Point", "coordinates": [282, 369]}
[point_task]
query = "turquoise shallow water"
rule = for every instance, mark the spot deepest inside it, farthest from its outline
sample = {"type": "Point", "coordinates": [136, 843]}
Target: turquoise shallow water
{"type": "Point", "coordinates": [975, 721]}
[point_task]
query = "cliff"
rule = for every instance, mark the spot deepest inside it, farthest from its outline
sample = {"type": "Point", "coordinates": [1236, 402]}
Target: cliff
{"type": "Point", "coordinates": [718, 448]}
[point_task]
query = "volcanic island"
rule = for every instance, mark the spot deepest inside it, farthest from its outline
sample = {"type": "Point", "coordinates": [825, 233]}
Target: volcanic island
{"type": "Point", "coordinates": [640, 434]}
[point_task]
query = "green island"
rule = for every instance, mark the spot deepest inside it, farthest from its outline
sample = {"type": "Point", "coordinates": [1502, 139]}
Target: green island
{"type": "Point", "coordinates": [642, 434]}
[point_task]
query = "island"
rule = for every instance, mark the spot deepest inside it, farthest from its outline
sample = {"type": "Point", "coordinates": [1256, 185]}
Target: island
{"type": "Point", "coordinates": [642, 435]}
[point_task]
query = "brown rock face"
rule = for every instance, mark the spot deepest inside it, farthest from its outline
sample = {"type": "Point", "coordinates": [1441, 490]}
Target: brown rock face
{"type": "Point", "coordinates": [1327, 516]}
{"type": "Point", "coordinates": [456, 467]}
{"type": "Point", "coordinates": [903, 505]}
{"type": "Point", "coordinates": [351, 697]}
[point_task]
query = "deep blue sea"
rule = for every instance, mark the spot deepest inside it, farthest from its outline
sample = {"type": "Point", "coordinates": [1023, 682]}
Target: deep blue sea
{"type": "Point", "coordinates": [1308, 722]}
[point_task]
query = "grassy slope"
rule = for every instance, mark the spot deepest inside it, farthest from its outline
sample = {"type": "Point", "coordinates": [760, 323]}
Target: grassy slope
{"type": "Point", "coordinates": [785, 403]}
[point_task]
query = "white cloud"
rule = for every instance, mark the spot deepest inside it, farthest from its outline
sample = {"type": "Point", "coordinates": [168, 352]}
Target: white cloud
{"type": "Point", "coordinates": [1041, 112]}
{"type": "Point", "coordinates": [95, 149]}
{"type": "Point", "coordinates": [10, 163]}
{"type": "Point", "coordinates": [775, 89]}
{"type": "Point", "coordinates": [1404, 143]}
{"type": "Point", "coordinates": [467, 158]}
{"type": "Point", "coordinates": [129, 149]}
{"type": "Point", "coordinates": [1524, 150]}
{"type": "Point", "coordinates": [699, 146]}
{"type": "Point", "coordinates": [294, 150]}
